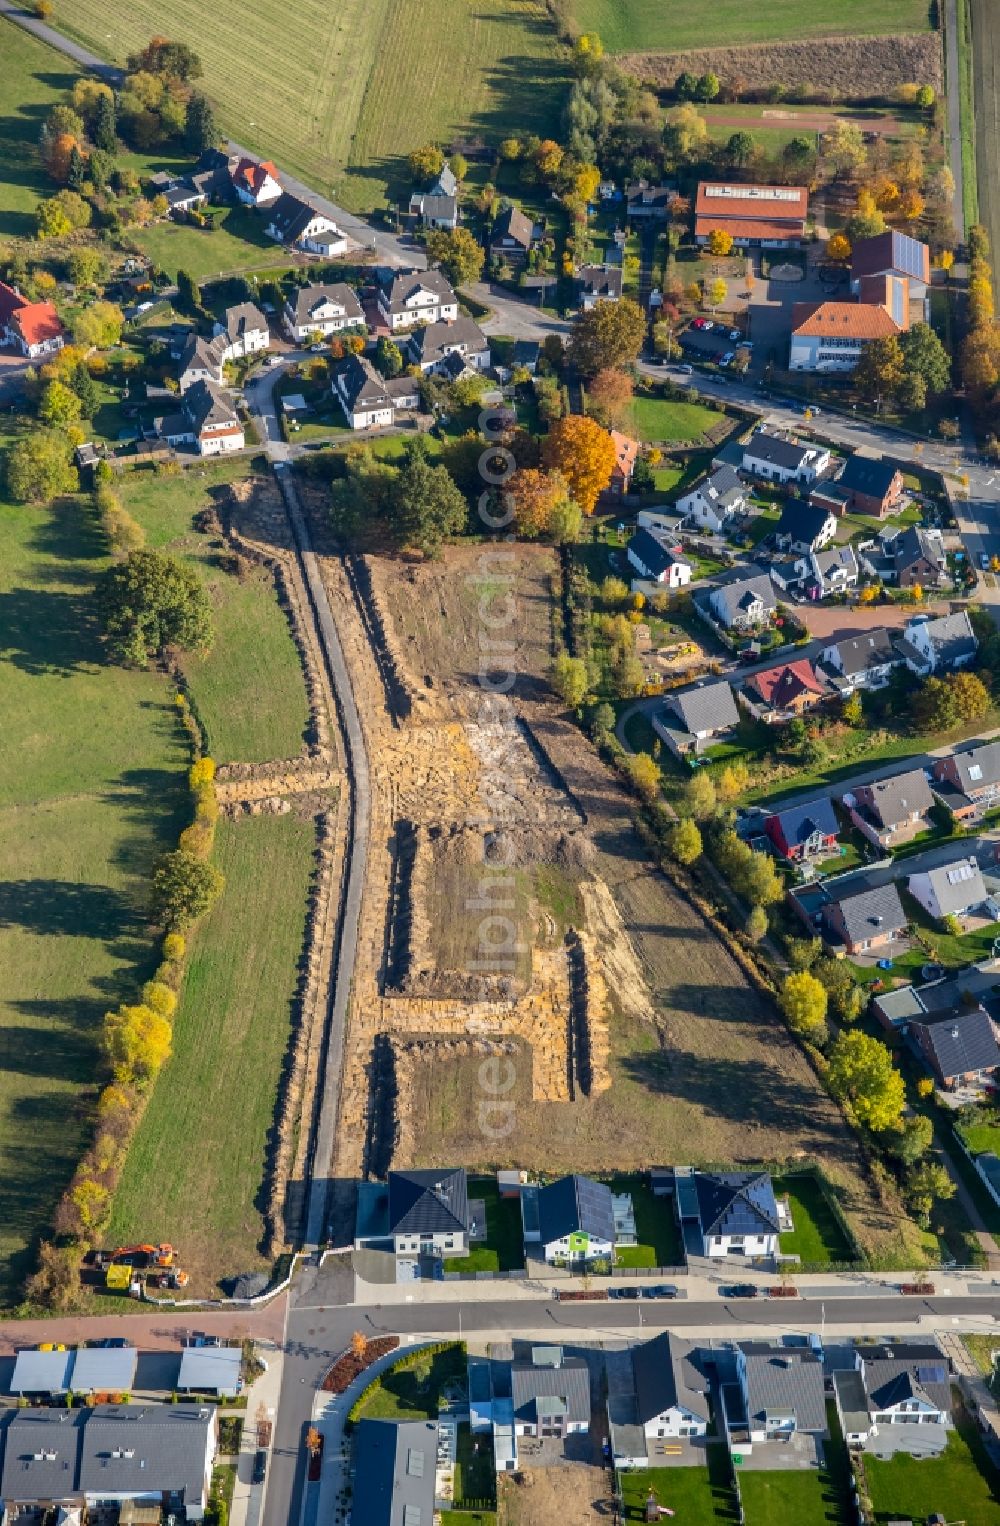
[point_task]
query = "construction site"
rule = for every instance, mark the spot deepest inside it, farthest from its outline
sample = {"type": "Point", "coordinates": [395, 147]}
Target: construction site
{"type": "Point", "coordinates": [509, 914]}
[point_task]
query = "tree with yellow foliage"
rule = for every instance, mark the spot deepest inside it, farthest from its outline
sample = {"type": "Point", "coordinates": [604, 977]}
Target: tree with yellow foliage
{"type": "Point", "coordinates": [946, 260]}
{"type": "Point", "coordinates": [912, 205]}
{"type": "Point", "coordinates": [137, 1042]}
{"type": "Point", "coordinates": [588, 178]}
{"type": "Point", "coordinates": [838, 248]}
{"type": "Point", "coordinates": [535, 495]}
{"type": "Point", "coordinates": [715, 293]}
{"type": "Point", "coordinates": [585, 455]}
{"type": "Point", "coordinates": [720, 242]}
{"type": "Point", "coordinates": [887, 195]}
{"type": "Point", "coordinates": [548, 158]}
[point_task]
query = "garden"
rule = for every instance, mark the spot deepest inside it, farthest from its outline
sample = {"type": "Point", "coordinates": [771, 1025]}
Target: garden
{"type": "Point", "coordinates": [962, 1484]}
{"type": "Point", "coordinates": [416, 1386]}
{"type": "Point", "coordinates": [699, 1495]}
{"type": "Point", "coordinates": [657, 1232]}
{"type": "Point", "coordinates": [818, 1237]}
{"type": "Point", "coordinates": [503, 1249]}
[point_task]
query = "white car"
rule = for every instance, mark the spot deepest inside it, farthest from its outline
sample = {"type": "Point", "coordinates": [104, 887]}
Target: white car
{"type": "Point", "coordinates": [734, 333]}
{"type": "Point", "coordinates": [727, 359]}
{"type": "Point", "coordinates": [708, 324]}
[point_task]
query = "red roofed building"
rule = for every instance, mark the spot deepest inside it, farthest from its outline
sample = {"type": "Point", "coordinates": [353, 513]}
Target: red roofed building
{"type": "Point", "coordinates": [626, 455]}
{"type": "Point", "coordinates": [256, 183]}
{"type": "Point", "coordinates": [756, 216]}
{"type": "Point", "coordinates": [31, 327]}
{"type": "Point", "coordinates": [830, 336]}
{"type": "Point", "coordinates": [784, 691]}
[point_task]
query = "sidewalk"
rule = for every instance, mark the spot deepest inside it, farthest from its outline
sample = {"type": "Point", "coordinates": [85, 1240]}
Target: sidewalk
{"type": "Point", "coordinates": [248, 1498]}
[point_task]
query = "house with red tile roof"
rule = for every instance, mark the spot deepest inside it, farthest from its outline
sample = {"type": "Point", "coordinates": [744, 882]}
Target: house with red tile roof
{"type": "Point", "coordinates": [31, 327]}
{"type": "Point", "coordinates": [756, 216]}
{"type": "Point", "coordinates": [626, 455]}
{"type": "Point", "coordinates": [784, 691]}
{"type": "Point", "coordinates": [830, 336]}
{"type": "Point", "coordinates": [256, 182]}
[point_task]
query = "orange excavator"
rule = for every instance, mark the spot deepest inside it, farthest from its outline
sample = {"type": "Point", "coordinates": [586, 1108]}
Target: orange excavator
{"type": "Point", "coordinates": [143, 1256]}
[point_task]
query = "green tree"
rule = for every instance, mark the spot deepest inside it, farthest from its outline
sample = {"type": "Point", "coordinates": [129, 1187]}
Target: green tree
{"type": "Point", "coordinates": [105, 129]}
{"type": "Point", "coordinates": [740, 148]}
{"type": "Point", "coordinates": [188, 292]}
{"type": "Point", "coordinates": [614, 593]}
{"type": "Point", "coordinates": [913, 1139]}
{"type": "Point", "coordinates": [707, 87]}
{"type": "Point", "coordinates": [925, 356]}
{"type": "Point", "coordinates": [458, 252]}
{"type": "Point", "coordinates": [184, 888]}
{"type": "Point", "coordinates": [66, 212]}
{"type": "Point", "coordinates": [76, 172]}
{"type": "Point", "coordinates": [841, 986]}
{"type": "Point", "coordinates": [86, 389]}
{"type": "Point", "coordinates": [426, 163]}
{"type": "Point", "coordinates": [151, 601]}
{"type": "Point", "coordinates": [428, 504]}
{"type": "Point", "coordinates": [98, 326]}
{"type": "Point", "coordinates": [565, 522]}
{"type": "Point", "coordinates": [200, 131]}
{"type": "Point", "coordinates": [699, 796]}
{"type": "Point", "coordinates": [852, 710]}
{"type": "Point", "coordinates": [803, 1000]}
{"type": "Point", "coordinates": [926, 97]}
{"type": "Point", "coordinates": [685, 132]}
{"type": "Point", "coordinates": [59, 404]}
{"type": "Point", "coordinates": [684, 841]}
{"type": "Point", "coordinates": [568, 676]}
{"type": "Point", "coordinates": [88, 268]}
{"type": "Point", "coordinates": [602, 722]}
{"type": "Point", "coordinates": [161, 56]}
{"type": "Point", "coordinates": [862, 1073]}
{"type": "Point", "coordinates": [798, 152]}
{"type": "Point", "coordinates": [760, 882]}
{"type": "Point", "coordinates": [757, 924]}
{"type": "Point", "coordinates": [39, 467]}
{"type": "Point", "coordinates": [802, 953]}
{"type": "Point", "coordinates": [610, 335]}
{"type": "Point", "coordinates": [928, 1183]}
{"type": "Point", "coordinates": [911, 394]}
{"type": "Point", "coordinates": [936, 705]}
{"type": "Point", "coordinates": [388, 357]}
{"type": "Point", "coordinates": [880, 369]}
{"type": "Point", "coordinates": [685, 86]}
{"type": "Point", "coordinates": [459, 166]}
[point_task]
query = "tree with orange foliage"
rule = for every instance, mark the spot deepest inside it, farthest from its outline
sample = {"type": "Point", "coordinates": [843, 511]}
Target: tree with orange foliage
{"type": "Point", "coordinates": [585, 455]}
{"type": "Point", "coordinates": [912, 205]}
{"type": "Point", "coordinates": [56, 154]}
{"type": "Point", "coordinates": [548, 158]}
{"type": "Point", "coordinates": [610, 397]}
{"type": "Point", "coordinates": [535, 496]}
{"type": "Point", "coordinates": [838, 248]}
{"type": "Point", "coordinates": [887, 195]}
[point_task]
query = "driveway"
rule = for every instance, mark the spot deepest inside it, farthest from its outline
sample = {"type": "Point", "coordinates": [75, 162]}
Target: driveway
{"type": "Point", "coordinates": [770, 312]}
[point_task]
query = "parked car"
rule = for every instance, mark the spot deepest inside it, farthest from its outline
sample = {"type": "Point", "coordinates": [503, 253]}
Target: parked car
{"type": "Point", "coordinates": [984, 561]}
{"type": "Point", "coordinates": [259, 1466]}
{"type": "Point", "coordinates": [707, 323]}
{"type": "Point", "coordinates": [317, 349]}
{"type": "Point", "coordinates": [686, 370]}
{"type": "Point", "coordinates": [697, 323]}
{"type": "Point", "coordinates": [734, 333]}
{"type": "Point", "coordinates": [740, 1290]}
{"type": "Point", "coordinates": [661, 1290]}
{"type": "Point", "coordinates": [727, 359]}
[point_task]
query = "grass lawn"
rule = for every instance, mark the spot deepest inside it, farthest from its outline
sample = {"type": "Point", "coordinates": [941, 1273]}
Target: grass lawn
{"type": "Point", "coordinates": [660, 418]}
{"type": "Point", "coordinates": [953, 951]}
{"type": "Point", "coordinates": [817, 1237]}
{"type": "Point", "coordinates": [982, 1138]}
{"type": "Point", "coordinates": [961, 1484]}
{"type": "Point", "coordinates": [762, 524]}
{"type": "Point", "coordinates": [194, 1172]}
{"type": "Point", "coordinates": [348, 70]}
{"type": "Point", "coordinates": [801, 1498]}
{"type": "Point", "coordinates": [698, 1495]}
{"type": "Point", "coordinates": [32, 80]}
{"type": "Point", "coordinates": [249, 690]}
{"type": "Point", "coordinates": [625, 25]}
{"type": "Point", "coordinates": [468, 1518]}
{"type": "Point", "coordinates": [91, 790]}
{"type": "Point", "coordinates": [504, 1247]}
{"type": "Point", "coordinates": [655, 1226]}
{"type": "Point", "coordinates": [475, 1473]}
{"type": "Point", "coordinates": [414, 1392]}
{"type": "Point", "coordinates": [235, 242]}
{"type": "Point", "coordinates": [981, 1348]}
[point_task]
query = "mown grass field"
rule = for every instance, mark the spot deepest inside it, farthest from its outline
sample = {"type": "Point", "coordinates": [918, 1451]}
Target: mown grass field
{"type": "Point", "coordinates": [701, 1495]}
{"type": "Point", "coordinates": [961, 1484]}
{"type": "Point", "coordinates": [625, 25]}
{"type": "Point", "coordinates": [91, 789]}
{"type": "Point", "coordinates": [194, 1171]}
{"type": "Point", "coordinates": [339, 95]}
{"type": "Point", "coordinates": [249, 690]}
{"type": "Point", "coordinates": [235, 242]}
{"type": "Point", "coordinates": [32, 80]}
{"type": "Point", "coordinates": [671, 422]}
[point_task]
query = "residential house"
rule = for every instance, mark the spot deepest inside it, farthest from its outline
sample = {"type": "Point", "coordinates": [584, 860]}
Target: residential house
{"type": "Point", "coordinates": [737, 1214]}
{"type": "Point", "coordinates": [550, 1394]}
{"type": "Point", "coordinates": [206, 420]}
{"type": "Point", "coordinates": [777, 459]}
{"type": "Point", "coordinates": [394, 1468]}
{"type": "Point", "coordinates": [832, 335]}
{"type": "Point", "coordinates": [890, 1390]}
{"type": "Point", "coordinates": [181, 193]}
{"type": "Point", "coordinates": [909, 557]}
{"type": "Point", "coordinates": [437, 207]}
{"type": "Point", "coordinates": [671, 1388]}
{"type": "Point", "coordinates": [511, 237]}
{"type": "Point", "coordinates": [968, 782]}
{"type": "Point", "coordinates": [626, 455]}
{"type": "Point", "coordinates": [803, 832]}
{"type": "Point", "coordinates": [256, 182]}
{"type": "Point", "coordinates": [892, 254]}
{"type": "Point", "coordinates": [300, 225]}
{"type": "Point", "coordinates": [201, 360]}
{"type": "Point", "coordinates": [891, 811]}
{"type": "Point", "coordinates": [659, 559]}
{"type": "Point", "coordinates": [428, 1211]}
{"type": "Point", "coordinates": [938, 645]}
{"type": "Point", "coordinates": [33, 328]}
{"type": "Point", "coordinates": [866, 485]}
{"type": "Point", "coordinates": [864, 661]}
{"type": "Point", "coordinates": [780, 693]}
{"type": "Point", "coordinates": [431, 344]}
{"type": "Point", "coordinates": [576, 1220]}
{"type": "Point", "coordinates": [321, 308]}
{"type": "Point", "coordinates": [867, 921]}
{"type": "Point", "coordinates": [154, 1455]}
{"type": "Point", "coordinates": [755, 216]}
{"type": "Point", "coordinates": [525, 355]}
{"type": "Point", "coordinates": [415, 296]}
{"type": "Point", "coordinates": [244, 330]}
{"type": "Point", "coordinates": [692, 720]}
{"type": "Point", "coordinates": [804, 527]}
{"type": "Point", "coordinates": [781, 1394]}
{"type": "Point", "coordinates": [715, 500]}
{"type": "Point", "coordinates": [949, 890]}
{"type": "Point", "coordinates": [744, 603]}
{"type": "Point", "coordinates": [960, 1050]}
{"type": "Point", "coordinates": [835, 570]}
{"type": "Point", "coordinates": [648, 203]}
{"type": "Point", "coordinates": [366, 399]}
{"type": "Point", "coordinates": [598, 283]}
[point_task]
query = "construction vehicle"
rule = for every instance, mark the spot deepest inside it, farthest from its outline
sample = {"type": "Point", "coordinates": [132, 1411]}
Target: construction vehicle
{"type": "Point", "coordinates": [171, 1277]}
{"type": "Point", "coordinates": [143, 1256]}
{"type": "Point", "coordinates": [119, 1278]}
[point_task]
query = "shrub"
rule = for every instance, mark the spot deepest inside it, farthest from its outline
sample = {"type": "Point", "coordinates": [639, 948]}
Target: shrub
{"type": "Point", "coordinates": [160, 998]}
{"type": "Point", "coordinates": [184, 889]}
{"type": "Point", "coordinates": [174, 947]}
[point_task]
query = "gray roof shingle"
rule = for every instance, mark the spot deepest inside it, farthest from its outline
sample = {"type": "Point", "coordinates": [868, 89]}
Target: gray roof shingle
{"type": "Point", "coordinates": [575, 1205]}
{"type": "Point", "coordinates": [399, 286]}
{"type": "Point", "coordinates": [872, 913]}
{"type": "Point", "coordinates": [430, 1201]}
{"type": "Point", "coordinates": [41, 1454]}
{"type": "Point", "coordinates": [776, 451]}
{"type": "Point", "coordinates": [710, 707]}
{"type": "Point", "coordinates": [802, 522]}
{"type": "Point", "coordinates": [922, 1362]}
{"type": "Point", "coordinates": [978, 767]}
{"type": "Point", "coordinates": [963, 1042]}
{"type": "Point", "coordinates": [395, 1465]}
{"type": "Point", "coordinates": [869, 475]}
{"type": "Point", "coordinates": [306, 300]}
{"type": "Point", "coordinates": [957, 885]}
{"type": "Point", "coordinates": [870, 649]}
{"type": "Point", "coordinates": [146, 1448]}
{"type": "Point", "coordinates": [563, 1379]}
{"type": "Point", "coordinates": [782, 1380]}
{"type": "Point", "coordinates": [895, 799]}
{"type": "Point", "coordinates": [666, 1374]}
{"type": "Point", "coordinates": [243, 318]}
{"type": "Point", "coordinates": [431, 341]}
{"type": "Point", "coordinates": [731, 599]}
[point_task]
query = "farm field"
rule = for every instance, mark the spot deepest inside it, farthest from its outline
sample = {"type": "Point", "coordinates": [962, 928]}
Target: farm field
{"type": "Point", "coordinates": [322, 97]}
{"type": "Point", "coordinates": [249, 690]}
{"type": "Point", "coordinates": [91, 789]}
{"type": "Point", "coordinates": [633, 24]}
{"type": "Point", "coordinates": [981, 136]}
{"type": "Point", "coordinates": [195, 1169]}
{"type": "Point", "coordinates": [961, 1484]}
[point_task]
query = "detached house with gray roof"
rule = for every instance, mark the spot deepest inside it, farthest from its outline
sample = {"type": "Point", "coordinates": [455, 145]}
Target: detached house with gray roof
{"type": "Point", "coordinates": [938, 646]}
{"type": "Point", "coordinates": [598, 283]}
{"type": "Point", "coordinates": [550, 1393]}
{"type": "Point", "coordinates": [949, 890]}
{"type": "Point", "coordinates": [512, 237]}
{"type": "Point", "coordinates": [366, 399]}
{"type": "Point", "coordinates": [301, 225]}
{"type": "Point", "coordinates": [745, 602]}
{"type": "Point", "coordinates": [715, 500]}
{"type": "Point", "coordinates": [774, 458]}
{"type": "Point", "coordinates": [736, 1212]}
{"type": "Point", "coordinates": [575, 1220]}
{"type": "Point", "coordinates": [780, 1395]}
{"type": "Point", "coordinates": [394, 1465]}
{"type": "Point", "coordinates": [909, 558]}
{"type": "Point", "coordinates": [407, 297]}
{"type": "Point", "coordinates": [693, 719]}
{"type": "Point", "coordinates": [322, 308]}
{"type": "Point", "coordinates": [891, 811]}
{"type": "Point", "coordinates": [438, 206]}
{"type": "Point", "coordinates": [658, 558]}
{"type": "Point", "coordinates": [429, 1211]}
{"type": "Point", "coordinates": [960, 1048]}
{"type": "Point", "coordinates": [864, 661]}
{"type": "Point", "coordinates": [968, 782]}
{"type": "Point", "coordinates": [244, 331]}
{"type": "Point", "coordinates": [803, 832]}
{"type": "Point", "coordinates": [669, 1401]}
{"type": "Point", "coordinates": [868, 921]}
{"type": "Point", "coordinates": [896, 1398]}
{"type": "Point", "coordinates": [201, 360]}
{"type": "Point", "coordinates": [432, 345]}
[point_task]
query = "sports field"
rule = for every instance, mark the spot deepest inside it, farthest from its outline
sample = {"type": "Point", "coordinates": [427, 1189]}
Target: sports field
{"type": "Point", "coordinates": [339, 94]}
{"type": "Point", "coordinates": [627, 25]}
{"type": "Point", "coordinates": [91, 788]}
